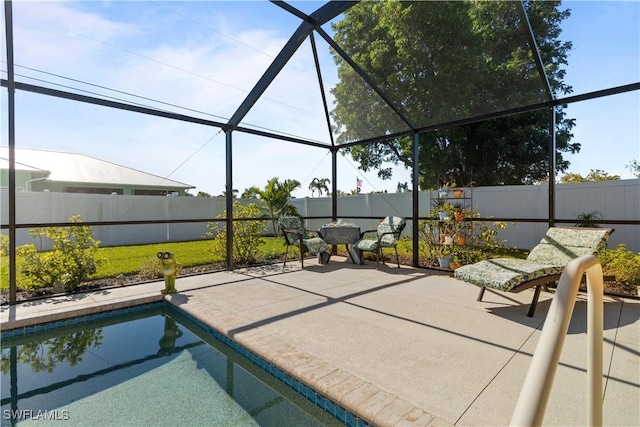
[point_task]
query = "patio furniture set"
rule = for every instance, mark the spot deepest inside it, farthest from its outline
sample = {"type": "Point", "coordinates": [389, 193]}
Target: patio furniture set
{"type": "Point", "coordinates": [386, 235]}
{"type": "Point", "coordinates": [542, 267]}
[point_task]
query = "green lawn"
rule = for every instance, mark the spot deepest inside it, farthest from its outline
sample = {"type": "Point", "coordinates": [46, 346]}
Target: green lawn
{"type": "Point", "coordinates": [130, 259]}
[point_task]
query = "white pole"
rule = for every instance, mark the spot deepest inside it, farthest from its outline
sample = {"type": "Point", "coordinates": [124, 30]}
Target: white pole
{"type": "Point", "coordinates": [595, 328]}
{"type": "Point", "coordinates": [534, 395]}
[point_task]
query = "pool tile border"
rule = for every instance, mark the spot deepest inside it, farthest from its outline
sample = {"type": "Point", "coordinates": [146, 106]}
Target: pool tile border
{"type": "Point", "coordinates": [25, 316]}
{"type": "Point", "coordinates": [339, 412]}
{"type": "Point", "coordinates": [79, 319]}
{"type": "Point", "coordinates": [324, 403]}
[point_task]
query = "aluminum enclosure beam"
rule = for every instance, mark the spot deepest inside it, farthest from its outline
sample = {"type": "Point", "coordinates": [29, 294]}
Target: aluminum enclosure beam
{"type": "Point", "coordinates": [11, 119]}
{"type": "Point", "coordinates": [319, 17]}
{"type": "Point", "coordinates": [535, 51]}
{"type": "Point", "coordinates": [292, 10]}
{"type": "Point", "coordinates": [152, 112]}
{"type": "Point", "coordinates": [366, 78]}
{"type": "Point", "coordinates": [321, 84]}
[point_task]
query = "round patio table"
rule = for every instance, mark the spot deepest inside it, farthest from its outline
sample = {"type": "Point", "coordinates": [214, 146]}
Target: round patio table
{"type": "Point", "coordinates": [337, 234]}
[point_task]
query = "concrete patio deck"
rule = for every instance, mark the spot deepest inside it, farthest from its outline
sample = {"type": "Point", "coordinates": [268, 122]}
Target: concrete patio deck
{"type": "Point", "coordinates": [396, 346]}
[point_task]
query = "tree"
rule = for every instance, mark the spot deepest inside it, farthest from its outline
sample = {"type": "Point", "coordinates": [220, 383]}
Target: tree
{"type": "Point", "coordinates": [593, 175]}
{"type": "Point", "coordinates": [251, 192]}
{"type": "Point", "coordinates": [634, 167]}
{"type": "Point", "coordinates": [443, 61]}
{"type": "Point", "coordinates": [402, 187]}
{"type": "Point", "coordinates": [339, 193]}
{"type": "Point", "coordinates": [572, 177]}
{"type": "Point", "coordinates": [203, 194]}
{"type": "Point", "coordinates": [600, 175]}
{"type": "Point", "coordinates": [234, 194]}
{"type": "Point", "coordinates": [319, 184]}
{"type": "Point", "coordinates": [275, 197]}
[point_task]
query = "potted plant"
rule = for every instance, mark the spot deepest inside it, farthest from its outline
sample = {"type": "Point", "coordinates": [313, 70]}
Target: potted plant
{"type": "Point", "coordinates": [442, 209]}
{"type": "Point", "coordinates": [445, 255]}
{"type": "Point", "coordinates": [458, 212]}
{"type": "Point", "coordinates": [445, 189]}
{"type": "Point", "coordinates": [458, 193]}
{"type": "Point", "coordinates": [589, 219]}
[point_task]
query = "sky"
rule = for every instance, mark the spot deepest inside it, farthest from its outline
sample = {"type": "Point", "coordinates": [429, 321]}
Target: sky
{"type": "Point", "coordinates": [202, 59]}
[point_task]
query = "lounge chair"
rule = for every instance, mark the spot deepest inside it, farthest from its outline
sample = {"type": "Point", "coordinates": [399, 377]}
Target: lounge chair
{"type": "Point", "coordinates": [296, 235]}
{"type": "Point", "coordinates": [386, 236]}
{"type": "Point", "coordinates": [543, 265]}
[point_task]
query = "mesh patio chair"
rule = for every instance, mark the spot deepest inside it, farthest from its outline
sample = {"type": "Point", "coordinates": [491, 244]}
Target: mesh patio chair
{"type": "Point", "coordinates": [296, 235]}
{"type": "Point", "coordinates": [385, 236]}
{"type": "Point", "coordinates": [543, 266]}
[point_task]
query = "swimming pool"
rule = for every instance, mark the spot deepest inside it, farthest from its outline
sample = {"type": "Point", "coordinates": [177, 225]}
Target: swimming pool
{"type": "Point", "coordinates": [148, 365]}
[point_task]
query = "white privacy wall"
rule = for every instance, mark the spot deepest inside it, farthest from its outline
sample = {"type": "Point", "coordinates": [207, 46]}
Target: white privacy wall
{"type": "Point", "coordinates": [619, 200]}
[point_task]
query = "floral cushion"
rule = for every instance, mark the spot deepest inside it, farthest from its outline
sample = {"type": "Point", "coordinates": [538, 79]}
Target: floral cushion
{"type": "Point", "coordinates": [561, 245]}
{"type": "Point", "coordinates": [315, 245]}
{"type": "Point", "coordinates": [504, 273]}
{"type": "Point", "coordinates": [293, 229]}
{"type": "Point", "coordinates": [549, 257]}
{"type": "Point", "coordinates": [367, 245]}
{"type": "Point", "coordinates": [392, 225]}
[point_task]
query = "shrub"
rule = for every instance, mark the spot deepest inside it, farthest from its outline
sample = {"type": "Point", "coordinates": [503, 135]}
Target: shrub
{"type": "Point", "coordinates": [4, 245]}
{"type": "Point", "coordinates": [247, 234]}
{"type": "Point", "coordinates": [151, 269]}
{"type": "Point", "coordinates": [71, 260]}
{"type": "Point", "coordinates": [621, 263]}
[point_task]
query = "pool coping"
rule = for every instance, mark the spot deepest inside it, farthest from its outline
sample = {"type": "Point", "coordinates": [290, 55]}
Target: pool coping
{"type": "Point", "coordinates": [372, 404]}
{"type": "Point", "coordinates": [14, 322]}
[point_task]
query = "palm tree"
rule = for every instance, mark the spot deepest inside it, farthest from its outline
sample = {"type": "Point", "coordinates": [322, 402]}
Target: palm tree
{"type": "Point", "coordinates": [275, 198]}
{"type": "Point", "coordinates": [251, 192]}
{"type": "Point", "coordinates": [402, 187]}
{"type": "Point", "coordinates": [234, 194]}
{"type": "Point", "coordinates": [319, 184]}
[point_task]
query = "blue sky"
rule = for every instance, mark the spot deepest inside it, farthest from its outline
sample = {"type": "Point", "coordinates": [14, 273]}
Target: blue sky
{"type": "Point", "coordinates": [606, 53]}
{"type": "Point", "coordinates": [206, 56]}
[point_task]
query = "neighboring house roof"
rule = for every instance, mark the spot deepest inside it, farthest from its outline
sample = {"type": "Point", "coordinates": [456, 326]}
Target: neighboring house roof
{"type": "Point", "coordinates": [78, 168]}
{"type": "Point", "coordinates": [4, 165]}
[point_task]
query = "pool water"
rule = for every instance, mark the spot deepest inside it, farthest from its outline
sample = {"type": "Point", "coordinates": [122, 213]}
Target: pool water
{"type": "Point", "coordinates": [151, 367]}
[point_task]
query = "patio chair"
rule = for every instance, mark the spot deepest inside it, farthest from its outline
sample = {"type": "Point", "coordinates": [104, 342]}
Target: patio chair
{"type": "Point", "coordinates": [296, 235]}
{"type": "Point", "coordinates": [386, 236]}
{"type": "Point", "coordinates": [544, 264]}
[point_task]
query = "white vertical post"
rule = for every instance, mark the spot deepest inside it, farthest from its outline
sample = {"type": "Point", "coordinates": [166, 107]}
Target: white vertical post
{"type": "Point", "coordinates": [534, 395]}
{"type": "Point", "coordinates": [595, 328]}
